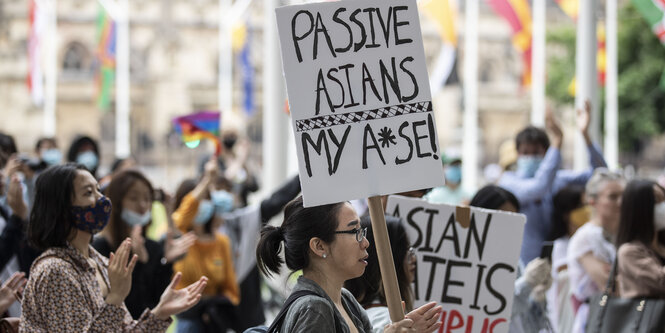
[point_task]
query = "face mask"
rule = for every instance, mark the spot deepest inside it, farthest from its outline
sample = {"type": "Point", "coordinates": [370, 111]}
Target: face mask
{"type": "Point", "coordinates": [88, 159]}
{"type": "Point", "coordinates": [229, 142]}
{"type": "Point", "coordinates": [453, 174]}
{"type": "Point", "coordinates": [133, 218]}
{"type": "Point", "coordinates": [528, 165]}
{"type": "Point", "coordinates": [206, 209]}
{"type": "Point", "coordinates": [52, 156]}
{"type": "Point", "coordinates": [223, 201]}
{"type": "Point", "coordinates": [579, 216]}
{"type": "Point", "coordinates": [93, 218]}
{"type": "Point", "coordinates": [659, 216]}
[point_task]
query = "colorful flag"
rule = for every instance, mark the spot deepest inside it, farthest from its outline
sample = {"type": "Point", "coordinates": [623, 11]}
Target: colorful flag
{"type": "Point", "coordinates": [570, 7]}
{"type": "Point", "coordinates": [35, 77]}
{"type": "Point", "coordinates": [601, 53]}
{"type": "Point", "coordinates": [106, 39]}
{"type": "Point", "coordinates": [444, 15]}
{"type": "Point", "coordinates": [199, 126]}
{"type": "Point", "coordinates": [247, 69]}
{"type": "Point", "coordinates": [518, 15]}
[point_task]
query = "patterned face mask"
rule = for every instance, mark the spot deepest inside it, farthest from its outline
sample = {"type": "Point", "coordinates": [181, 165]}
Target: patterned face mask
{"type": "Point", "coordinates": [93, 218]}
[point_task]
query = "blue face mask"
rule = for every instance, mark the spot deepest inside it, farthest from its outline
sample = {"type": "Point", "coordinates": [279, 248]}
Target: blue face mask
{"type": "Point", "coordinates": [52, 156]}
{"type": "Point", "coordinates": [93, 218]}
{"type": "Point", "coordinates": [222, 200]}
{"type": "Point", "coordinates": [88, 159]}
{"type": "Point", "coordinates": [527, 165]}
{"type": "Point", "coordinates": [206, 210]}
{"type": "Point", "coordinates": [133, 218]}
{"type": "Point", "coordinates": [453, 174]}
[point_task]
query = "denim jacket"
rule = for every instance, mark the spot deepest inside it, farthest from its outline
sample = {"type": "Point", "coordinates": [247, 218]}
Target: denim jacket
{"type": "Point", "coordinates": [319, 314]}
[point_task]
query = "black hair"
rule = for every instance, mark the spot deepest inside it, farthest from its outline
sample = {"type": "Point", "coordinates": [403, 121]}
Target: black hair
{"type": "Point", "coordinates": [117, 162]}
{"type": "Point", "coordinates": [637, 213]}
{"type": "Point", "coordinates": [368, 287]}
{"type": "Point", "coordinates": [493, 197]}
{"type": "Point", "coordinates": [76, 145]}
{"type": "Point", "coordinates": [51, 220]}
{"type": "Point", "coordinates": [299, 227]}
{"type": "Point", "coordinates": [565, 201]}
{"type": "Point", "coordinates": [7, 144]}
{"type": "Point", "coordinates": [184, 188]}
{"type": "Point", "coordinates": [44, 140]}
{"type": "Point", "coordinates": [116, 192]}
{"type": "Point", "coordinates": [533, 135]}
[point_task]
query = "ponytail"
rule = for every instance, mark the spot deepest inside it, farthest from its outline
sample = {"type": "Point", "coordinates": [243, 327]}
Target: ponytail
{"type": "Point", "coordinates": [267, 251]}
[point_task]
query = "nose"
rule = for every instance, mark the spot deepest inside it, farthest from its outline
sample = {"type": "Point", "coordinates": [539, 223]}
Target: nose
{"type": "Point", "coordinates": [364, 244]}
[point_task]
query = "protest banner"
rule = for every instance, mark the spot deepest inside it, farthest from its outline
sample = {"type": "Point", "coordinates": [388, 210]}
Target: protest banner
{"type": "Point", "coordinates": [359, 98]}
{"type": "Point", "coordinates": [470, 270]}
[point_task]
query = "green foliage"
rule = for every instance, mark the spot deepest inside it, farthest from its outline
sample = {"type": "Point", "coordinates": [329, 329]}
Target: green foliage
{"type": "Point", "coordinates": [641, 65]}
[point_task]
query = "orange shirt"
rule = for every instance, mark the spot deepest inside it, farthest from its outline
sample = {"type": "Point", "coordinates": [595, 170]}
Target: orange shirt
{"type": "Point", "coordinates": [209, 258]}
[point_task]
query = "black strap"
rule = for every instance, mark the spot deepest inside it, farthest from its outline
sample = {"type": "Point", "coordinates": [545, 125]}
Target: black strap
{"type": "Point", "coordinates": [277, 323]}
{"type": "Point", "coordinates": [610, 286]}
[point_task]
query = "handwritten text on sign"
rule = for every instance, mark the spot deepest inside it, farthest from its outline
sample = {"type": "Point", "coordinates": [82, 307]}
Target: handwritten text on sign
{"type": "Point", "coordinates": [470, 271]}
{"type": "Point", "coordinates": [359, 98]}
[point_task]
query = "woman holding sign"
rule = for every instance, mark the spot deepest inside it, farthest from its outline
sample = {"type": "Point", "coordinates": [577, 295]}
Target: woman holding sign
{"type": "Point", "coordinates": [329, 245]}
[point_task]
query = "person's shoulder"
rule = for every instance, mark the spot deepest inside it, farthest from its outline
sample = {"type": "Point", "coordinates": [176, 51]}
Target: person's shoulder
{"type": "Point", "coordinates": [632, 249]}
{"type": "Point", "coordinates": [312, 304]}
{"type": "Point", "coordinates": [585, 231]}
{"type": "Point", "coordinates": [222, 238]}
{"type": "Point", "coordinates": [49, 267]}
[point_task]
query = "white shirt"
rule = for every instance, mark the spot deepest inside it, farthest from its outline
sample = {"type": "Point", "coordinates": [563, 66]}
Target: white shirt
{"type": "Point", "coordinates": [588, 238]}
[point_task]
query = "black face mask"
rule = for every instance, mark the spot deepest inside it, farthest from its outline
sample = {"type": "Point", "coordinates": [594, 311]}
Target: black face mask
{"type": "Point", "coordinates": [229, 142]}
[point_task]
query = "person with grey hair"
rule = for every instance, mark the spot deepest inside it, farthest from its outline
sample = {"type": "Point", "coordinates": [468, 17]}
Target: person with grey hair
{"type": "Point", "coordinates": [591, 250]}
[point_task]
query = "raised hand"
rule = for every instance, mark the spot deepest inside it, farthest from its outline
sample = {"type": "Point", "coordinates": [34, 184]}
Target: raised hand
{"type": "Point", "coordinates": [175, 248]}
{"type": "Point", "coordinates": [120, 273]}
{"type": "Point", "coordinates": [584, 120]}
{"type": "Point", "coordinates": [15, 198]}
{"type": "Point", "coordinates": [12, 290]}
{"type": "Point", "coordinates": [426, 318]}
{"type": "Point", "coordinates": [175, 301]}
{"type": "Point", "coordinates": [555, 129]}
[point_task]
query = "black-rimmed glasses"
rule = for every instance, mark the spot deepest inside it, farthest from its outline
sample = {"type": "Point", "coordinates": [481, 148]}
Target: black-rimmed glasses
{"type": "Point", "coordinates": [360, 233]}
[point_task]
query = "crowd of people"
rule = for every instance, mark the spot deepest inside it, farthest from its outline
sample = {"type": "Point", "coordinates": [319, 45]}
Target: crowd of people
{"type": "Point", "coordinates": [84, 253]}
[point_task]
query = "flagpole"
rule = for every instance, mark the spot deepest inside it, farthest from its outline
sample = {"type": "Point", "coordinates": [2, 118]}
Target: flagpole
{"type": "Point", "coordinates": [225, 80]}
{"type": "Point", "coordinates": [538, 64]}
{"type": "Point", "coordinates": [275, 122]}
{"type": "Point", "coordinates": [611, 150]}
{"type": "Point", "coordinates": [122, 101]}
{"type": "Point", "coordinates": [51, 60]}
{"type": "Point", "coordinates": [470, 158]}
{"type": "Point", "coordinates": [586, 73]}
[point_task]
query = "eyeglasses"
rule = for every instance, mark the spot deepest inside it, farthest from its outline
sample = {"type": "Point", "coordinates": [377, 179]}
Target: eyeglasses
{"type": "Point", "coordinates": [412, 253]}
{"type": "Point", "coordinates": [360, 233]}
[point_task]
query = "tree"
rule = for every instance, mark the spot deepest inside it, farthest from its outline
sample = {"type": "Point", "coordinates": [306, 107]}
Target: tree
{"type": "Point", "coordinates": [641, 65]}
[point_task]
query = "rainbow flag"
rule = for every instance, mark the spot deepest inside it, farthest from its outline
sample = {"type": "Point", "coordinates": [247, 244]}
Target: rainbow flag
{"type": "Point", "coordinates": [106, 39]}
{"type": "Point", "coordinates": [518, 15]}
{"type": "Point", "coordinates": [199, 126]}
{"type": "Point", "coordinates": [654, 12]}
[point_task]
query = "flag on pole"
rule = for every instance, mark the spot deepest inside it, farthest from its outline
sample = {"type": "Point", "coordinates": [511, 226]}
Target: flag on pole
{"type": "Point", "coordinates": [199, 126]}
{"type": "Point", "coordinates": [247, 69]}
{"type": "Point", "coordinates": [35, 77]}
{"type": "Point", "coordinates": [570, 7]}
{"type": "Point", "coordinates": [654, 12]}
{"type": "Point", "coordinates": [444, 14]}
{"type": "Point", "coordinates": [106, 39]}
{"type": "Point", "coordinates": [601, 53]}
{"type": "Point", "coordinates": [518, 15]}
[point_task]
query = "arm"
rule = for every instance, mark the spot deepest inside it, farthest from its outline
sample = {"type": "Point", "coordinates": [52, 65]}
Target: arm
{"type": "Point", "coordinates": [184, 215]}
{"type": "Point", "coordinates": [532, 189]}
{"type": "Point", "coordinates": [10, 239]}
{"type": "Point", "coordinates": [274, 204]}
{"type": "Point", "coordinates": [638, 264]}
{"type": "Point", "coordinates": [230, 287]}
{"type": "Point", "coordinates": [598, 270]}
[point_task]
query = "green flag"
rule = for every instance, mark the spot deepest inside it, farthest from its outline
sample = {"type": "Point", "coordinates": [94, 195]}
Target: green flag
{"type": "Point", "coordinates": [654, 12]}
{"type": "Point", "coordinates": [106, 37]}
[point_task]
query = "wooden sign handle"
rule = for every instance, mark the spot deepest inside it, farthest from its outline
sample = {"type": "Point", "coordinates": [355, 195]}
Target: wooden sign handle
{"type": "Point", "coordinates": [385, 256]}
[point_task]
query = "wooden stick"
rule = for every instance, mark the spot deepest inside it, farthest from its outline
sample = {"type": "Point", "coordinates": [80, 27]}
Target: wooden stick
{"type": "Point", "coordinates": [385, 256]}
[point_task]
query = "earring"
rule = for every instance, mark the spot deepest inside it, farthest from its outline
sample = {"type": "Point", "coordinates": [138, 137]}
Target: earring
{"type": "Point", "coordinates": [324, 256]}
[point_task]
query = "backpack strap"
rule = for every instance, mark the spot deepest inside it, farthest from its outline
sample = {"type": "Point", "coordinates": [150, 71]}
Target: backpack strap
{"type": "Point", "coordinates": [277, 323]}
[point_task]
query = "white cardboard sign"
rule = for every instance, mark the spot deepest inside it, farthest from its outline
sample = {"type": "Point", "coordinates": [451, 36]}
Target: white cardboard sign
{"type": "Point", "coordinates": [470, 271]}
{"type": "Point", "coordinates": [359, 97]}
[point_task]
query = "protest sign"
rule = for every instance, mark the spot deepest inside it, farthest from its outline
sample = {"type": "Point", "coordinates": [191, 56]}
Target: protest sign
{"type": "Point", "coordinates": [359, 98]}
{"type": "Point", "coordinates": [470, 271]}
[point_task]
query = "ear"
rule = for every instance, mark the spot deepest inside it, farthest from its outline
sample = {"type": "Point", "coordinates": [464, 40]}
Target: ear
{"type": "Point", "coordinates": [318, 247]}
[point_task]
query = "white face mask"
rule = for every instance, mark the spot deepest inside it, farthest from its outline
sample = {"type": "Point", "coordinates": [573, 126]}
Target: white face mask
{"type": "Point", "coordinates": [659, 216]}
